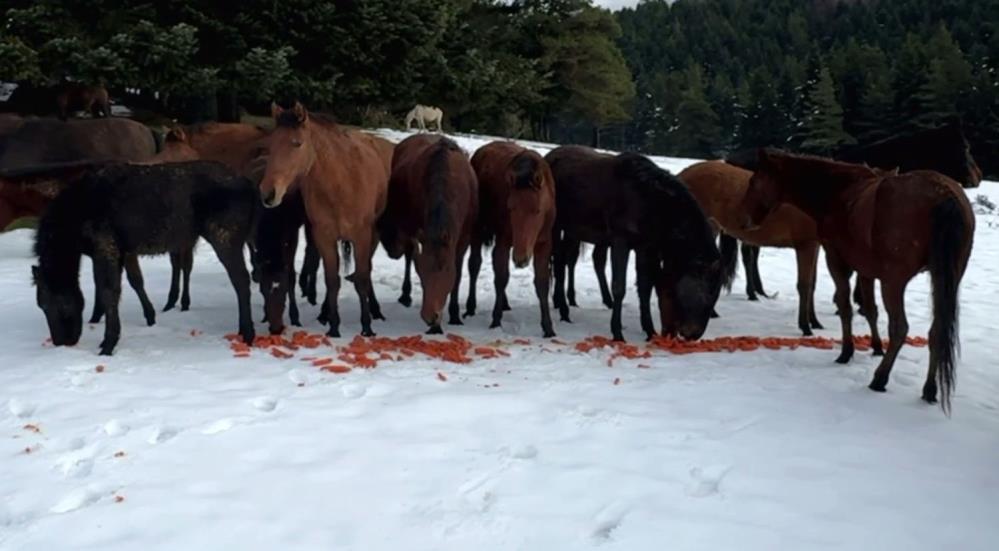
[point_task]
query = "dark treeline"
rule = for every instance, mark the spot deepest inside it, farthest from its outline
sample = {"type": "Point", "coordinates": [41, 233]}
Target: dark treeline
{"type": "Point", "coordinates": [695, 78]}
{"type": "Point", "coordinates": [816, 75]}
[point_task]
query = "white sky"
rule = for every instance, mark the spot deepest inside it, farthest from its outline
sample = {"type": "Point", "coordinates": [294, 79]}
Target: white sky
{"type": "Point", "coordinates": [615, 4]}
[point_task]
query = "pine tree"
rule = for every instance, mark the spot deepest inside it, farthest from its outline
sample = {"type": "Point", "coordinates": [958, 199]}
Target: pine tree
{"type": "Point", "coordinates": [947, 80]}
{"type": "Point", "coordinates": [697, 131]}
{"type": "Point", "coordinates": [822, 127]}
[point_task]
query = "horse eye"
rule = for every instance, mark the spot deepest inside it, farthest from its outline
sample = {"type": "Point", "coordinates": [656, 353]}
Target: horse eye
{"type": "Point", "coordinates": [296, 143]}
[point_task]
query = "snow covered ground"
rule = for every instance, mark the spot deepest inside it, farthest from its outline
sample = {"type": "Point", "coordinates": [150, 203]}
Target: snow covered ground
{"type": "Point", "coordinates": [175, 444]}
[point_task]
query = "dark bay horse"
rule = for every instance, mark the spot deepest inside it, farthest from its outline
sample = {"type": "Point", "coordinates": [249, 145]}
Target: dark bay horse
{"type": "Point", "coordinates": [432, 206]}
{"type": "Point", "coordinates": [628, 203]}
{"type": "Point", "coordinates": [516, 212]}
{"type": "Point", "coordinates": [129, 210]}
{"type": "Point", "coordinates": [344, 185]}
{"type": "Point", "coordinates": [75, 96]}
{"type": "Point", "coordinates": [886, 227]}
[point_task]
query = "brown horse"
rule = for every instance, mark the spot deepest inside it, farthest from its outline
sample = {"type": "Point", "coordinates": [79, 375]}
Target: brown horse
{"type": "Point", "coordinates": [884, 226]}
{"type": "Point", "coordinates": [75, 96]}
{"type": "Point", "coordinates": [433, 203]}
{"type": "Point", "coordinates": [344, 184]}
{"type": "Point", "coordinates": [719, 188]}
{"type": "Point", "coordinates": [517, 211]}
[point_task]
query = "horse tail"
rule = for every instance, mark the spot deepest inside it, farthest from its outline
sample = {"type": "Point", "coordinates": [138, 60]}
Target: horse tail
{"type": "Point", "coordinates": [729, 249]}
{"type": "Point", "coordinates": [346, 248]}
{"type": "Point", "coordinates": [950, 234]}
{"type": "Point", "coordinates": [158, 139]}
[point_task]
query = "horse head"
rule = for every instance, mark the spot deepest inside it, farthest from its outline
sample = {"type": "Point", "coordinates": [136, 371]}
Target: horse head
{"type": "Point", "coordinates": [529, 201]}
{"type": "Point", "coordinates": [764, 191]}
{"type": "Point", "coordinates": [291, 153]}
{"type": "Point", "coordinates": [63, 308]}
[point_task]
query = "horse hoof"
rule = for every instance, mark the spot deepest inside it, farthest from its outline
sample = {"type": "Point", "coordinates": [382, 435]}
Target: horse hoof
{"type": "Point", "coordinates": [806, 331]}
{"type": "Point", "coordinates": [844, 358]}
{"type": "Point", "coordinates": [548, 334]}
{"type": "Point", "coordinates": [753, 298]}
{"type": "Point", "coordinates": [817, 325]}
{"type": "Point", "coordinates": [333, 333]}
{"type": "Point", "coordinates": [495, 325]}
{"type": "Point", "coordinates": [930, 397]}
{"type": "Point", "coordinates": [150, 321]}
{"type": "Point", "coordinates": [185, 307]}
{"type": "Point", "coordinates": [276, 330]}
{"type": "Point", "coordinates": [469, 313]}
{"type": "Point", "coordinates": [878, 352]}
{"type": "Point", "coordinates": [406, 301]}
{"type": "Point", "coordinates": [618, 338]}
{"type": "Point", "coordinates": [435, 330]}
{"type": "Point", "coordinates": [378, 317]}
{"type": "Point", "coordinates": [455, 320]}
{"type": "Point", "coordinates": [296, 323]}
{"type": "Point", "coordinates": [506, 308]}
{"type": "Point", "coordinates": [367, 333]}
{"type": "Point", "coordinates": [95, 319]}
{"type": "Point", "coordinates": [876, 386]}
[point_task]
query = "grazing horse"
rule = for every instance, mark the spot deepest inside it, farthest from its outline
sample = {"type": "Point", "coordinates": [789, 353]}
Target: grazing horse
{"type": "Point", "coordinates": [516, 211]}
{"type": "Point", "coordinates": [130, 210]}
{"type": "Point", "coordinates": [344, 185]}
{"type": "Point", "coordinates": [432, 206]}
{"type": "Point", "coordinates": [75, 96]}
{"type": "Point", "coordinates": [886, 227]}
{"type": "Point", "coordinates": [628, 203]}
{"type": "Point", "coordinates": [424, 115]}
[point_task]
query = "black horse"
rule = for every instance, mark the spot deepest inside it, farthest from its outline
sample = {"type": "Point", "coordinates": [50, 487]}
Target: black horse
{"type": "Point", "coordinates": [628, 203]}
{"type": "Point", "coordinates": [276, 245]}
{"type": "Point", "coordinates": [123, 211]}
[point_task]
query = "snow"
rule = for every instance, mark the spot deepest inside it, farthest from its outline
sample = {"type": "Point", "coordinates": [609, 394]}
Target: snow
{"type": "Point", "coordinates": [175, 444]}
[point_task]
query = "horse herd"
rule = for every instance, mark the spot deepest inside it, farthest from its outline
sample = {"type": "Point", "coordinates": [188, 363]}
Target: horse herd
{"type": "Point", "coordinates": [425, 201]}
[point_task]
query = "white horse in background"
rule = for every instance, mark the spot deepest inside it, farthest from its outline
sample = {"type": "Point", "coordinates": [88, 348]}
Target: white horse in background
{"type": "Point", "coordinates": [424, 115]}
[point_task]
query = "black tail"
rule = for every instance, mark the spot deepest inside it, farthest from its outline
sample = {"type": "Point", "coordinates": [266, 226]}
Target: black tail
{"type": "Point", "coordinates": [346, 257]}
{"type": "Point", "coordinates": [729, 248]}
{"type": "Point", "coordinates": [949, 241]}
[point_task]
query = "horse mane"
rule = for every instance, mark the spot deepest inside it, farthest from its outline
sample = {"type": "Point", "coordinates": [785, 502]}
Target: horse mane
{"type": "Point", "coordinates": [58, 237]}
{"type": "Point", "coordinates": [832, 167]}
{"type": "Point", "coordinates": [524, 166]}
{"type": "Point", "coordinates": [439, 212]}
{"type": "Point", "coordinates": [665, 191]}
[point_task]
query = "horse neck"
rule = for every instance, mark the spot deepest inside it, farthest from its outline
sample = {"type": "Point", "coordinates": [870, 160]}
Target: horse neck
{"type": "Point", "coordinates": [439, 209]}
{"type": "Point", "coordinates": [59, 249]}
{"type": "Point", "coordinates": [816, 185]}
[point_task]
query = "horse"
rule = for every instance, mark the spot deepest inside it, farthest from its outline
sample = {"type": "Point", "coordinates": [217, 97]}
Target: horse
{"type": "Point", "coordinates": [128, 210]}
{"type": "Point", "coordinates": [629, 203]}
{"type": "Point", "coordinates": [38, 144]}
{"type": "Point", "coordinates": [886, 227]}
{"type": "Point", "coordinates": [943, 149]}
{"type": "Point", "coordinates": [73, 97]}
{"type": "Point", "coordinates": [517, 211]}
{"type": "Point", "coordinates": [432, 207]}
{"type": "Point", "coordinates": [344, 185]}
{"type": "Point", "coordinates": [424, 115]}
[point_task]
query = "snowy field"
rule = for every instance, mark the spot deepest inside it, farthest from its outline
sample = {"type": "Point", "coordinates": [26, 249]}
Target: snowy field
{"type": "Point", "coordinates": [176, 445]}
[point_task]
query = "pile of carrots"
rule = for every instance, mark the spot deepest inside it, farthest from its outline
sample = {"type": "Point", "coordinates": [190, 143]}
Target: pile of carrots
{"type": "Point", "coordinates": [366, 353]}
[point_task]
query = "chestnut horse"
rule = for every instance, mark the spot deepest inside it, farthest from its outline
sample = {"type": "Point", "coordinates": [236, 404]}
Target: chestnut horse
{"type": "Point", "coordinates": [432, 206]}
{"type": "Point", "coordinates": [517, 211]}
{"type": "Point", "coordinates": [628, 203]}
{"type": "Point", "coordinates": [344, 184]}
{"type": "Point", "coordinates": [719, 188]}
{"type": "Point", "coordinates": [886, 227]}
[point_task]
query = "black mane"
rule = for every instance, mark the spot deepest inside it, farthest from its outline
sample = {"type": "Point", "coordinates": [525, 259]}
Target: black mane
{"type": "Point", "coordinates": [524, 167]}
{"type": "Point", "coordinates": [438, 211]}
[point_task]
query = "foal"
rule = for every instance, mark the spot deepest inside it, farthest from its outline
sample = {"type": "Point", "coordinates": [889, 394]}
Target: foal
{"type": "Point", "coordinates": [130, 210]}
{"type": "Point", "coordinates": [517, 210]}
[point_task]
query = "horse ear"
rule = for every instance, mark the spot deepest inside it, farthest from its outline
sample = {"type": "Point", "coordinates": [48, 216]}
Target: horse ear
{"type": "Point", "coordinates": [176, 134]}
{"type": "Point", "coordinates": [35, 275]}
{"type": "Point", "coordinates": [300, 112]}
{"type": "Point", "coordinates": [276, 109]}
{"type": "Point", "coordinates": [763, 156]}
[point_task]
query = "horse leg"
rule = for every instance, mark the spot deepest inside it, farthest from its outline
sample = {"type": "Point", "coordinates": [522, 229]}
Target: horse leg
{"type": "Point", "coordinates": [175, 263]}
{"type": "Point", "coordinates": [98, 313]}
{"type": "Point", "coordinates": [869, 310]}
{"type": "Point", "coordinates": [542, 280]}
{"type": "Point", "coordinates": [645, 266]}
{"type": "Point", "coordinates": [331, 267]}
{"type": "Point", "coordinates": [813, 319]}
{"type": "Point", "coordinates": [376, 309]}
{"type": "Point", "coordinates": [599, 265]}
{"type": "Point", "coordinates": [840, 273]}
{"type": "Point", "coordinates": [474, 265]}
{"type": "Point", "coordinates": [559, 264]}
{"type": "Point", "coordinates": [757, 280]}
{"type": "Point", "coordinates": [310, 267]}
{"type": "Point", "coordinates": [893, 296]}
{"type": "Point", "coordinates": [453, 309]}
{"type": "Point", "coordinates": [501, 276]}
{"type": "Point", "coordinates": [107, 272]}
{"type": "Point", "coordinates": [666, 314]}
{"type": "Point", "coordinates": [619, 275]}
{"type": "Point", "coordinates": [747, 264]}
{"type": "Point", "coordinates": [406, 298]}
{"type": "Point", "coordinates": [571, 258]}
{"type": "Point", "coordinates": [187, 258]}
{"type": "Point", "coordinates": [134, 274]}
{"type": "Point", "coordinates": [362, 281]}
{"type": "Point", "coordinates": [806, 255]}
{"type": "Point", "coordinates": [231, 257]}
{"type": "Point", "coordinates": [858, 296]}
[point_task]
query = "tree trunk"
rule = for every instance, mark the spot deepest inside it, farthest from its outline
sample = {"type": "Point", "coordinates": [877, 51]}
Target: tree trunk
{"type": "Point", "coordinates": [596, 136]}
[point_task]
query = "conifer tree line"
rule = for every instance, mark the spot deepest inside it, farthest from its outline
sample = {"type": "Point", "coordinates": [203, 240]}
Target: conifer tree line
{"type": "Point", "coordinates": [694, 78]}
